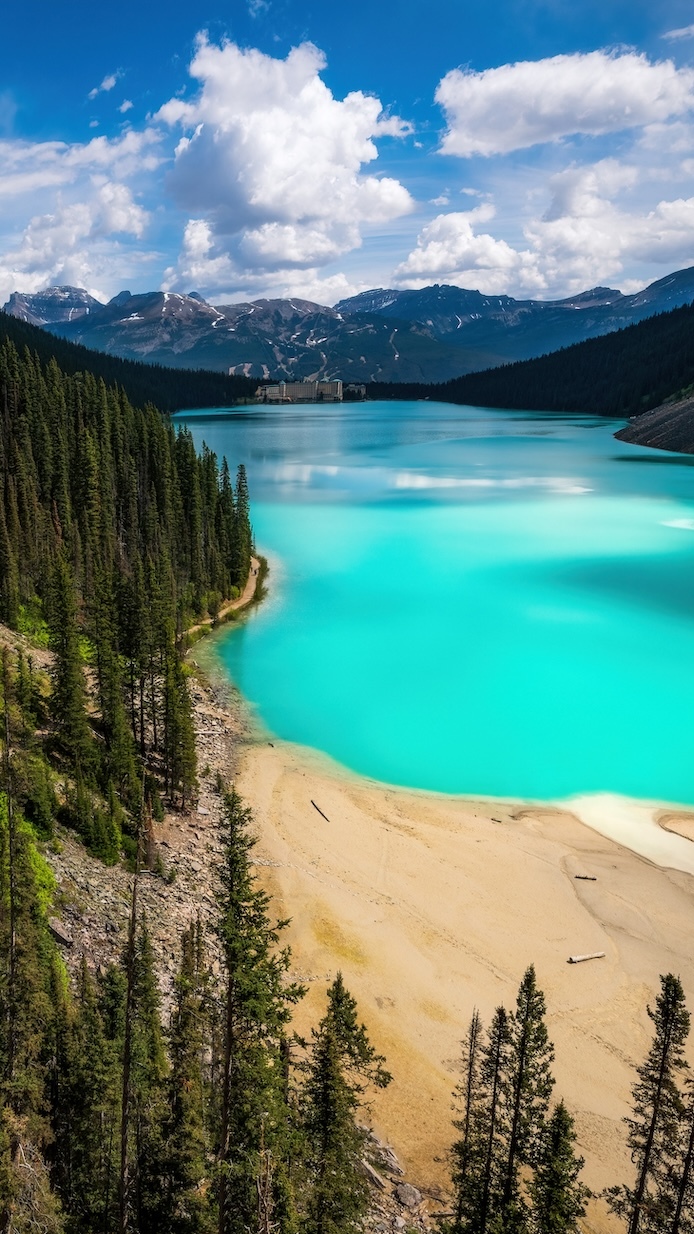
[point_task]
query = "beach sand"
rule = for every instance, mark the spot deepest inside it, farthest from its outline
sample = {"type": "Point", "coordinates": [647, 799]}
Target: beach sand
{"type": "Point", "coordinates": [431, 906]}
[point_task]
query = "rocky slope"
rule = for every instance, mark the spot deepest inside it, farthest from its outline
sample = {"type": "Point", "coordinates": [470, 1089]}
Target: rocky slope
{"type": "Point", "coordinates": [668, 427]}
{"type": "Point", "coordinates": [428, 335]}
{"type": "Point", "coordinates": [92, 905]}
{"type": "Point", "coordinates": [289, 339]}
{"type": "Point", "coordinates": [521, 329]}
{"type": "Point", "coordinates": [55, 306]}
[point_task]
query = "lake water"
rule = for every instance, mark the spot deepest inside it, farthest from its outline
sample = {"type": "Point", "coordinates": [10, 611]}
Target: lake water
{"type": "Point", "coordinates": [471, 601]}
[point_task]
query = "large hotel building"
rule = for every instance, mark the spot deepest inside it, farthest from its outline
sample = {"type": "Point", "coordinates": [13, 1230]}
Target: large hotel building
{"type": "Point", "coordinates": [301, 392]}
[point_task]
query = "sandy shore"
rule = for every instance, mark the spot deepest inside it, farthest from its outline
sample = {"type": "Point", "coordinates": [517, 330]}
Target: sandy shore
{"type": "Point", "coordinates": [432, 905]}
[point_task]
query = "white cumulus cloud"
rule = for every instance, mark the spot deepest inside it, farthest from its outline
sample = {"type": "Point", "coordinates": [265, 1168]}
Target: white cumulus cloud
{"type": "Point", "coordinates": [27, 167]}
{"type": "Point", "coordinates": [450, 249]}
{"type": "Point", "coordinates": [67, 209]}
{"type": "Point", "coordinates": [273, 163]}
{"type": "Point", "coordinates": [72, 244]}
{"type": "Point", "coordinates": [587, 235]}
{"type": "Point", "coordinates": [520, 105]}
{"type": "Point", "coordinates": [591, 231]}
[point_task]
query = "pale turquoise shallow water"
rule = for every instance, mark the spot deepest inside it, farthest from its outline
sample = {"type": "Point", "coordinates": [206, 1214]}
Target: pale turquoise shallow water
{"type": "Point", "coordinates": [470, 601]}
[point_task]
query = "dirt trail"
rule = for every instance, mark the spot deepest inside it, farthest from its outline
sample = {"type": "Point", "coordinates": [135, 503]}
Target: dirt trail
{"type": "Point", "coordinates": [232, 606]}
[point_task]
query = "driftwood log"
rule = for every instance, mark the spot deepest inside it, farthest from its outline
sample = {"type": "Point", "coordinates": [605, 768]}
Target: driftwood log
{"type": "Point", "coordinates": [592, 955]}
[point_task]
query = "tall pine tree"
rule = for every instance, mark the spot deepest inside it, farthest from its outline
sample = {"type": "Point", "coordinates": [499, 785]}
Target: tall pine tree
{"type": "Point", "coordinates": [68, 702]}
{"type": "Point", "coordinates": [255, 1012]}
{"type": "Point", "coordinates": [186, 1208]}
{"type": "Point", "coordinates": [557, 1194]}
{"type": "Point", "coordinates": [343, 1062]}
{"type": "Point", "coordinates": [657, 1113]}
{"type": "Point", "coordinates": [527, 1089]}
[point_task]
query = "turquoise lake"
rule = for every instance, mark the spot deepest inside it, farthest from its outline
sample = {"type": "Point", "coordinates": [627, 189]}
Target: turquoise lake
{"type": "Point", "coordinates": [470, 601]}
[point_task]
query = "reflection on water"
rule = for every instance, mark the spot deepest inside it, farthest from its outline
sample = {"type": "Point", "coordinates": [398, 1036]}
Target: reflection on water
{"type": "Point", "coordinates": [470, 600]}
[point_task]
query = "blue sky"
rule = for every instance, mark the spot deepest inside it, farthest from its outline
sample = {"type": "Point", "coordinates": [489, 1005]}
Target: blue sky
{"type": "Point", "coordinates": [271, 147]}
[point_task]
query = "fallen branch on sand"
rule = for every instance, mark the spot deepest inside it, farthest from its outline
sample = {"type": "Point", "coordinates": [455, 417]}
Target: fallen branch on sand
{"type": "Point", "coordinates": [587, 878]}
{"type": "Point", "coordinates": [579, 959]}
{"type": "Point", "coordinates": [319, 811]}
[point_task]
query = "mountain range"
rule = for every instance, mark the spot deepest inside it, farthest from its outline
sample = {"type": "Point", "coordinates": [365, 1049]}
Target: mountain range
{"type": "Point", "coordinates": [427, 335]}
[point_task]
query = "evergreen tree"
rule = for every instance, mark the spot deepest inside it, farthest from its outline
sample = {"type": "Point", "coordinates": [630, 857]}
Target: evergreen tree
{"type": "Point", "coordinates": [657, 1113]}
{"type": "Point", "coordinates": [558, 1197]}
{"type": "Point", "coordinates": [338, 1192]}
{"type": "Point", "coordinates": [186, 1208]}
{"type": "Point", "coordinates": [9, 575]}
{"type": "Point", "coordinates": [69, 697]}
{"type": "Point", "coordinates": [678, 1182]}
{"type": "Point", "coordinates": [254, 1119]}
{"type": "Point", "coordinates": [25, 694]}
{"type": "Point", "coordinates": [343, 1062]}
{"type": "Point", "coordinates": [148, 1088]}
{"type": "Point", "coordinates": [181, 757]}
{"type": "Point", "coordinates": [527, 1088]}
{"type": "Point", "coordinates": [28, 1015]}
{"type": "Point", "coordinates": [86, 1117]}
{"type": "Point", "coordinates": [119, 762]}
{"type": "Point", "coordinates": [490, 1127]}
{"type": "Point", "coordinates": [242, 541]}
{"type": "Point", "coordinates": [127, 1013]}
{"type": "Point", "coordinates": [466, 1153]}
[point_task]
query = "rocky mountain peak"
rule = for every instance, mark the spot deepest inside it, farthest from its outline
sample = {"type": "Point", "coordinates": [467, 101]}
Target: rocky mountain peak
{"type": "Point", "coordinates": [54, 305]}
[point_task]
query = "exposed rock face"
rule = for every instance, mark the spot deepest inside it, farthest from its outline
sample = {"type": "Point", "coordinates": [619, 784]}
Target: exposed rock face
{"type": "Point", "coordinates": [396, 1205]}
{"type": "Point", "coordinates": [55, 305]}
{"type": "Point", "coordinates": [519, 329]}
{"type": "Point", "coordinates": [408, 1196]}
{"type": "Point", "coordinates": [94, 899]}
{"type": "Point", "coordinates": [668, 427]}
{"type": "Point", "coordinates": [289, 339]}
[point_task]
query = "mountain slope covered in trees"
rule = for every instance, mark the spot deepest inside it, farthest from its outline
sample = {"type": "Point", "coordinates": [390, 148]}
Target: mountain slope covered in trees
{"type": "Point", "coordinates": [169, 389]}
{"type": "Point", "coordinates": [112, 530]}
{"type": "Point", "coordinates": [621, 374]}
{"type": "Point", "coordinates": [114, 536]}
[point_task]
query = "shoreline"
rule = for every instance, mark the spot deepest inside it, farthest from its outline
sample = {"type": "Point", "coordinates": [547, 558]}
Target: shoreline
{"type": "Point", "coordinates": [431, 907]}
{"type": "Point", "coordinates": [661, 831]}
{"type": "Point", "coordinates": [432, 904]}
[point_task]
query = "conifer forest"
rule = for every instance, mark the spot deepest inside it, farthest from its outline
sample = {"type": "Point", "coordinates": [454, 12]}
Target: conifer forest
{"type": "Point", "coordinates": [622, 373]}
{"type": "Point", "coordinates": [118, 1113]}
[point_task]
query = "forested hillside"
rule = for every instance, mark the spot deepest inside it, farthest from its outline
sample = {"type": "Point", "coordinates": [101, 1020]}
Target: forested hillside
{"type": "Point", "coordinates": [169, 389]}
{"type": "Point", "coordinates": [114, 537]}
{"type": "Point", "coordinates": [118, 1114]}
{"type": "Point", "coordinates": [620, 374]}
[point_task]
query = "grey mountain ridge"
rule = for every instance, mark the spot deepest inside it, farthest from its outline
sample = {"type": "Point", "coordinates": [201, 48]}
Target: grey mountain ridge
{"type": "Point", "coordinates": [54, 306]}
{"type": "Point", "coordinates": [430, 334]}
